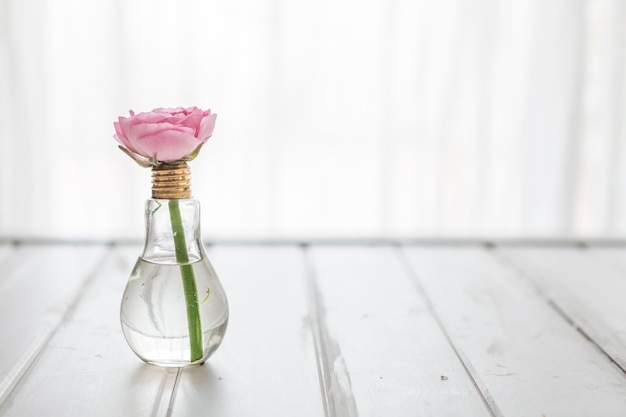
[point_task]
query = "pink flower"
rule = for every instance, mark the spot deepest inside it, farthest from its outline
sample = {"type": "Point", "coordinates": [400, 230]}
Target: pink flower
{"type": "Point", "coordinates": [164, 135]}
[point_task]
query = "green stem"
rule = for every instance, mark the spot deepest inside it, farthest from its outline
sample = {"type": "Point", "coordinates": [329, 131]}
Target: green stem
{"type": "Point", "coordinates": [189, 282]}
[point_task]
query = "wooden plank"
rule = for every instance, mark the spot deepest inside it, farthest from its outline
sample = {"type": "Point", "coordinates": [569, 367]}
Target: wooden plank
{"type": "Point", "coordinates": [587, 285]}
{"type": "Point", "coordinates": [266, 364]}
{"type": "Point", "coordinates": [6, 249]}
{"type": "Point", "coordinates": [38, 284]}
{"type": "Point", "coordinates": [86, 368]}
{"type": "Point", "coordinates": [383, 347]}
{"type": "Point", "coordinates": [527, 359]}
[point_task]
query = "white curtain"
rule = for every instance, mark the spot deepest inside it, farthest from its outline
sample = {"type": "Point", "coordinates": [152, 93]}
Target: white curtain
{"type": "Point", "coordinates": [393, 118]}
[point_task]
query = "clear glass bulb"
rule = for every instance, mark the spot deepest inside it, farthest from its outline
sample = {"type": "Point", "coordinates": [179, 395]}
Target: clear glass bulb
{"type": "Point", "coordinates": [174, 310]}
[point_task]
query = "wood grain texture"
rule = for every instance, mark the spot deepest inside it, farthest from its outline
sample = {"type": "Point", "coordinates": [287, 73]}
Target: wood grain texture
{"type": "Point", "coordinates": [586, 285]}
{"type": "Point", "coordinates": [530, 360]}
{"type": "Point", "coordinates": [384, 344]}
{"type": "Point", "coordinates": [266, 364]}
{"type": "Point", "coordinates": [329, 331]}
{"type": "Point", "coordinates": [86, 368]}
{"type": "Point", "coordinates": [38, 285]}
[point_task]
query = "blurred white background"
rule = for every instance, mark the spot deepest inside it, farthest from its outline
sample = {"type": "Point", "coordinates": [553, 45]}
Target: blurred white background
{"type": "Point", "coordinates": [336, 118]}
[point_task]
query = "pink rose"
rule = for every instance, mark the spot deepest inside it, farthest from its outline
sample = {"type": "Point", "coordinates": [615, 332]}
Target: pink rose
{"type": "Point", "coordinates": [164, 135]}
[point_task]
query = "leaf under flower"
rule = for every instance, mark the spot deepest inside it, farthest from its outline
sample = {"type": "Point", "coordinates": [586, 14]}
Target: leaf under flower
{"type": "Point", "coordinates": [140, 160]}
{"type": "Point", "coordinates": [193, 154]}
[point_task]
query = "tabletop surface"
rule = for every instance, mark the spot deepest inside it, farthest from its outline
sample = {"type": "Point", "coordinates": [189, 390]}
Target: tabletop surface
{"type": "Point", "coordinates": [387, 329]}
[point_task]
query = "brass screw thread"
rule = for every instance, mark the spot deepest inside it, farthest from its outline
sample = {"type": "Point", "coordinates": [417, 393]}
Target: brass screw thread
{"type": "Point", "coordinates": [171, 181]}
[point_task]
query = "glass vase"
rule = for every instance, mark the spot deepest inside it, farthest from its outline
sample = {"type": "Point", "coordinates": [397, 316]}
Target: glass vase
{"type": "Point", "coordinates": [174, 311]}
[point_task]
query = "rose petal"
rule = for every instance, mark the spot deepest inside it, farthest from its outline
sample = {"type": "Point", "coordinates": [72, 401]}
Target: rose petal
{"type": "Point", "coordinates": [142, 130]}
{"type": "Point", "coordinates": [192, 120]}
{"type": "Point", "coordinates": [124, 125]}
{"type": "Point", "coordinates": [149, 118]}
{"type": "Point", "coordinates": [206, 127]}
{"type": "Point", "coordinates": [169, 110]}
{"type": "Point", "coordinates": [119, 135]}
{"type": "Point", "coordinates": [167, 146]}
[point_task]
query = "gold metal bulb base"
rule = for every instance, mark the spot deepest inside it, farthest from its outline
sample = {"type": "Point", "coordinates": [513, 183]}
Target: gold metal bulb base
{"type": "Point", "coordinates": [171, 181]}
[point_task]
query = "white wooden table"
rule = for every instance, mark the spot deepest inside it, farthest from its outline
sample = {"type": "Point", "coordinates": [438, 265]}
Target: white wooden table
{"type": "Point", "coordinates": [454, 328]}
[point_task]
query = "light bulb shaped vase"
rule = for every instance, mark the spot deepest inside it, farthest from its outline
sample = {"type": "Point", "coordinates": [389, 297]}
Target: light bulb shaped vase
{"type": "Point", "coordinates": [174, 310]}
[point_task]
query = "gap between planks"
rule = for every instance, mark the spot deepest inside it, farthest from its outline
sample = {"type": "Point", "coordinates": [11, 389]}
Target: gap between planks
{"type": "Point", "coordinates": [469, 369]}
{"type": "Point", "coordinates": [335, 387]}
{"type": "Point", "coordinates": [525, 276]}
